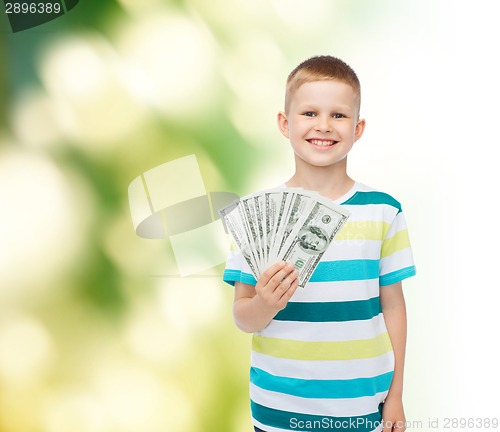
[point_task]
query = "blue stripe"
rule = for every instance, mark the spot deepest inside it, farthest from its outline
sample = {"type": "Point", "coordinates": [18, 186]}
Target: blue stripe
{"type": "Point", "coordinates": [346, 270]}
{"type": "Point", "coordinates": [335, 271]}
{"type": "Point", "coordinates": [327, 271]}
{"type": "Point", "coordinates": [324, 389]}
{"type": "Point", "coordinates": [352, 310]}
{"type": "Point", "coordinates": [231, 276]}
{"type": "Point", "coordinates": [297, 421]}
{"type": "Point", "coordinates": [373, 197]}
{"type": "Point", "coordinates": [397, 276]}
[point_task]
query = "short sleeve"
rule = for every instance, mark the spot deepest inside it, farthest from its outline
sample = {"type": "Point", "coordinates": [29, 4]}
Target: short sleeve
{"type": "Point", "coordinates": [396, 257]}
{"type": "Point", "coordinates": [238, 270]}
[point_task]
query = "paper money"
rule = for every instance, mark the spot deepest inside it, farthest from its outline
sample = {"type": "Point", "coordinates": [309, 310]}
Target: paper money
{"type": "Point", "coordinates": [289, 224]}
{"type": "Point", "coordinates": [310, 239]}
{"type": "Point", "coordinates": [234, 221]}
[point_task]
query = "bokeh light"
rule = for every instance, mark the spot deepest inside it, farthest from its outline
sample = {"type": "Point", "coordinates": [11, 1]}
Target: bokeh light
{"type": "Point", "coordinates": [172, 57]}
{"type": "Point", "coordinates": [253, 83]}
{"type": "Point", "coordinates": [40, 226]}
{"type": "Point", "coordinates": [94, 106]}
{"type": "Point", "coordinates": [27, 349]}
{"type": "Point", "coordinates": [34, 119]}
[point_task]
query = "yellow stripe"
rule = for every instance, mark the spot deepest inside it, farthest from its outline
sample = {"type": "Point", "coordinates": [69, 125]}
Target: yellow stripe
{"type": "Point", "coordinates": [343, 350]}
{"type": "Point", "coordinates": [396, 243]}
{"type": "Point", "coordinates": [363, 230]}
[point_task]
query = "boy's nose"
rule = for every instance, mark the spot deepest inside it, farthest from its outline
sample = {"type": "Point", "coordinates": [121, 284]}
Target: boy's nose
{"type": "Point", "coordinates": [324, 124]}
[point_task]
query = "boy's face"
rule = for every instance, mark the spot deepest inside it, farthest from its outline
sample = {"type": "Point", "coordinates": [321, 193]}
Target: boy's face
{"type": "Point", "coordinates": [322, 123]}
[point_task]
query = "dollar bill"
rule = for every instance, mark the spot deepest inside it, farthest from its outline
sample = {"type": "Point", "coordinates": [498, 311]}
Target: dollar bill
{"type": "Point", "coordinates": [260, 214]}
{"type": "Point", "coordinates": [233, 219]}
{"type": "Point", "coordinates": [310, 238]}
{"type": "Point", "coordinates": [299, 207]}
{"type": "Point", "coordinates": [273, 200]}
{"type": "Point", "coordinates": [287, 198]}
{"type": "Point", "coordinates": [251, 219]}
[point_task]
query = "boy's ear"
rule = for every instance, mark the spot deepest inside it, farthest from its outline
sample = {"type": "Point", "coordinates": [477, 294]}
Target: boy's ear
{"type": "Point", "coordinates": [360, 128]}
{"type": "Point", "coordinates": [283, 124]}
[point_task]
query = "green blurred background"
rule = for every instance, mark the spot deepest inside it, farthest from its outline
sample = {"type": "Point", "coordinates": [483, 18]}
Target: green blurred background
{"type": "Point", "coordinates": [97, 333]}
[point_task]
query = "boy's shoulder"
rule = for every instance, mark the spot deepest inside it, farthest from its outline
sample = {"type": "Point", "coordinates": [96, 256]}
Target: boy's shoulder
{"type": "Point", "coordinates": [365, 194]}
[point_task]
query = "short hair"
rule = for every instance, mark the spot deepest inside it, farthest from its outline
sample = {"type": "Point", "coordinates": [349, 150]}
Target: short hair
{"type": "Point", "coordinates": [321, 68]}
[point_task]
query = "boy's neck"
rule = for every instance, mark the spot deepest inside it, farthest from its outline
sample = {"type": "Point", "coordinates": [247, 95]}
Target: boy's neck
{"type": "Point", "coordinates": [329, 183]}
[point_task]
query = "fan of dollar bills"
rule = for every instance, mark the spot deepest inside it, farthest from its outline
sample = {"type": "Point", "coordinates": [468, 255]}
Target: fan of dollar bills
{"type": "Point", "coordinates": [284, 224]}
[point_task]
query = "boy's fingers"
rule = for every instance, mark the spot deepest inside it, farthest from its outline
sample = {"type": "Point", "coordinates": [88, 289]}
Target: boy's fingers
{"type": "Point", "coordinates": [280, 282]}
{"type": "Point", "coordinates": [281, 278]}
{"type": "Point", "coordinates": [270, 272]}
{"type": "Point", "coordinates": [287, 295]}
{"type": "Point", "coordinates": [286, 283]}
{"type": "Point", "coordinates": [276, 273]}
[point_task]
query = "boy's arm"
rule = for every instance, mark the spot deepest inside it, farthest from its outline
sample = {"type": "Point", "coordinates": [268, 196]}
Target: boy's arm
{"type": "Point", "coordinates": [255, 307]}
{"type": "Point", "coordinates": [394, 310]}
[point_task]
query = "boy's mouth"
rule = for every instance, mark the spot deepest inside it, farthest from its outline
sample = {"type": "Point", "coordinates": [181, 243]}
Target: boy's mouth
{"type": "Point", "coordinates": [321, 142]}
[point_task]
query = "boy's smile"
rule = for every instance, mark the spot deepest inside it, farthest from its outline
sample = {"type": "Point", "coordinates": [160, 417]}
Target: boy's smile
{"type": "Point", "coordinates": [322, 123]}
{"type": "Point", "coordinates": [322, 143]}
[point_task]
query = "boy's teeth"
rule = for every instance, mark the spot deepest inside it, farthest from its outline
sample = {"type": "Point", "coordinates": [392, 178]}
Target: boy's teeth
{"type": "Point", "coordinates": [321, 143]}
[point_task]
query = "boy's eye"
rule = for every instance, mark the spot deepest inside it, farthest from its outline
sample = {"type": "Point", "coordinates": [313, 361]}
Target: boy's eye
{"type": "Point", "coordinates": [309, 114]}
{"type": "Point", "coordinates": [338, 115]}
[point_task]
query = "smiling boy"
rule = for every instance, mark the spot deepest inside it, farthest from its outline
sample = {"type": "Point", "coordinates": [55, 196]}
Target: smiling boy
{"type": "Point", "coordinates": [329, 356]}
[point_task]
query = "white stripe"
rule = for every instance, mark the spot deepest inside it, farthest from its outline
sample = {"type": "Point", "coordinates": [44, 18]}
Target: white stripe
{"type": "Point", "coordinates": [337, 291]}
{"type": "Point", "coordinates": [372, 213]}
{"type": "Point", "coordinates": [326, 331]}
{"type": "Point", "coordinates": [352, 249]}
{"type": "Point", "coordinates": [353, 407]}
{"type": "Point", "coordinates": [272, 429]}
{"type": "Point", "coordinates": [399, 224]}
{"type": "Point", "coordinates": [396, 261]}
{"type": "Point", "coordinates": [266, 428]}
{"type": "Point", "coordinates": [324, 369]}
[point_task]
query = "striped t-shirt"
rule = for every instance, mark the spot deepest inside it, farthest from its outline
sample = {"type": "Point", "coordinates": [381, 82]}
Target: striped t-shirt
{"type": "Point", "coordinates": [325, 362]}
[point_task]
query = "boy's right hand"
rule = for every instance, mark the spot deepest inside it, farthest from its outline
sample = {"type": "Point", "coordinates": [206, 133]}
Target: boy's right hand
{"type": "Point", "coordinates": [276, 285]}
{"type": "Point", "coordinates": [255, 306]}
